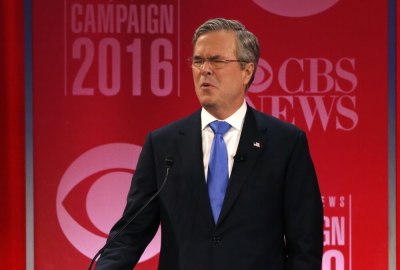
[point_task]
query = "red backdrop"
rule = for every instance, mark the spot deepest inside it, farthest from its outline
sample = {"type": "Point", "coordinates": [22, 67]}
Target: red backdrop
{"type": "Point", "coordinates": [397, 22]}
{"type": "Point", "coordinates": [12, 161]}
{"type": "Point", "coordinates": [106, 73]}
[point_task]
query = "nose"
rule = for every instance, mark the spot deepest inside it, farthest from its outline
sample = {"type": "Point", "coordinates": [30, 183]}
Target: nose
{"type": "Point", "coordinates": [205, 68]}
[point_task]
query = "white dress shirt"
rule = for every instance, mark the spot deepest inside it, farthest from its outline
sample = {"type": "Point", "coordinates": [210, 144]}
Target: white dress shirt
{"type": "Point", "coordinates": [231, 137]}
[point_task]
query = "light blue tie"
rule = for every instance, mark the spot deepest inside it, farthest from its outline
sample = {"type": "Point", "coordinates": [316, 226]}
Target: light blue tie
{"type": "Point", "coordinates": [218, 175]}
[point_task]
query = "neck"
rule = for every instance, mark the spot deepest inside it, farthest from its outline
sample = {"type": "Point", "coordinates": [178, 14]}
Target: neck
{"type": "Point", "coordinates": [222, 113]}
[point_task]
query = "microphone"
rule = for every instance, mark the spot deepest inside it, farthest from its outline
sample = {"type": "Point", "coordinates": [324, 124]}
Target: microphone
{"type": "Point", "coordinates": [239, 157]}
{"type": "Point", "coordinates": [168, 165]}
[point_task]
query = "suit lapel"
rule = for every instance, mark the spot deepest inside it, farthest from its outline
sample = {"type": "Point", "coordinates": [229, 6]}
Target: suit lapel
{"type": "Point", "coordinates": [251, 144]}
{"type": "Point", "coordinates": [189, 144]}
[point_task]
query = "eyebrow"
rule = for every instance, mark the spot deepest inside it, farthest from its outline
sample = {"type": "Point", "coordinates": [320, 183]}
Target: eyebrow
{"type": "Point", "coordinates": [211, 57]}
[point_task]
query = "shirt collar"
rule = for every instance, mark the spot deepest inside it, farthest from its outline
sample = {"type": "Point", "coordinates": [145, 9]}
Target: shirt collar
{"type": "Point", "coordinates": [235, 120]}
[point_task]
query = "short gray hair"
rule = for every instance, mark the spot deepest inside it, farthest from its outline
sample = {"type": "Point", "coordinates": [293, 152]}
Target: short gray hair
{"type": "Point", "coordinates": [248, 48]}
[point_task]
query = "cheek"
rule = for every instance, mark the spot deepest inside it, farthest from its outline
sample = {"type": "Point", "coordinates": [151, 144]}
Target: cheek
{"type": "Point", "coordinates": [233, 86]}
{"type": "Point", "coordinates": [194, 74]}
{"type": "Point", "coordinates": [196, 77]}
{"type": "Point", "coordinates": [230, 82]}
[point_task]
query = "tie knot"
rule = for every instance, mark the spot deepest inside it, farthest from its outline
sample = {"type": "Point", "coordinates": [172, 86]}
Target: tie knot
{"type": "Point", "coordinates": [220, 127]}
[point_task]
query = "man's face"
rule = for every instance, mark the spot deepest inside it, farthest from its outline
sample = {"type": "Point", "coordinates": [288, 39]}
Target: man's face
{"type": "Point", "coordinates": [220, 90]}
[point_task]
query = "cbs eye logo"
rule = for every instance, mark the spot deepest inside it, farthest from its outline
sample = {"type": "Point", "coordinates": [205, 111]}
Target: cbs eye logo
{"type": "Point", "coordinates": [263, 77]}
{"type": "Point", "coordinates": [92, 194]}
{"type": "Point", "coordinates": [295, 8]}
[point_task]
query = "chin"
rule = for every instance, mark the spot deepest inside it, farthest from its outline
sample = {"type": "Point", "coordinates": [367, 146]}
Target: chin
{"type": "Point", "coordinates": [208, 106]}
{"type": "Point", "coordinates": [205, 100]}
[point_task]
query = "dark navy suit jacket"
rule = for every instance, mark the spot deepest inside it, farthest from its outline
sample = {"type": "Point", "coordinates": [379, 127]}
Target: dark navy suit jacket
{"type": "Point", "coordinates": [271, 217]}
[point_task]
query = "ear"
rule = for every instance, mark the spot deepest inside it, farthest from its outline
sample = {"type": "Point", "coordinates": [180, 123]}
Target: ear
{"type": "Point", "coordinates": [248, 72]}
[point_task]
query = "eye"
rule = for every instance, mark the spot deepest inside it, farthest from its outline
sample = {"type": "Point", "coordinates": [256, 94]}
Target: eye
{"type": "Point", "coordinates": [263, 77]}
{"type": "Point", "coordinates": [197, 60]}
{"type": "Point", "coordinates": [216, 62]}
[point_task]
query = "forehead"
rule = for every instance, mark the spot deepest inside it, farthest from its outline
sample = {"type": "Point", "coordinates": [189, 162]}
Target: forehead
{"type": "Point", "coordinates": [216, 43]}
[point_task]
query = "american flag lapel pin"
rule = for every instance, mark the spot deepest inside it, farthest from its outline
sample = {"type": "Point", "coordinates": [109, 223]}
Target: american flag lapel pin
{"type": "Point", "coordinates": [256, 144]}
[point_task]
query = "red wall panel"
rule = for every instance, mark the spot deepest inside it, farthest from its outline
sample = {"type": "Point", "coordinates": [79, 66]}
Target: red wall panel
{"type": "Point", "coordinates": [12, 151]}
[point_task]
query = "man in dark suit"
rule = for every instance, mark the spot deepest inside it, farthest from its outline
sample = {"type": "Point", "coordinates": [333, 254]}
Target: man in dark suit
{"type": "Point", "coordinates": [260, 210]}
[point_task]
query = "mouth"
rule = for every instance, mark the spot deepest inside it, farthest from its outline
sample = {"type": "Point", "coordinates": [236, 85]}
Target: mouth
{"type": "Point", "coordinates": [206, 85]}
